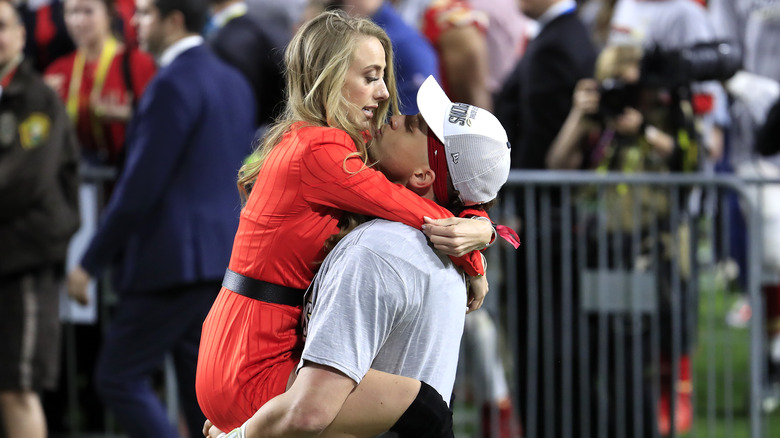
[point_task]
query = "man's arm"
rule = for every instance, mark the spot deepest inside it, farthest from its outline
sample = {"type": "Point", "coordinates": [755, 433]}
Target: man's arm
{"type": "Point", "coordinates": [465, 61]}
{"type": "Point", "coordinates": [324, 402]}
{"type": "Point", "coordinates": [307, 408]}
{"type": "Point", "coordinates": [159, 140]}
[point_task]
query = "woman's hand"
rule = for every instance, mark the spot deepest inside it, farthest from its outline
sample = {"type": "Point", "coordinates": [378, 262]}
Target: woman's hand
{"type": "Point", "coordinates": [477, 291]}
{"type": "Point", "coordinates": [78, 280]}
{"type": "Point", "coordinates": [211, 431]}
{"type": "Point", "coordinates": [585, 100]}
{"type": "Point", "coordinates": [458, 236]}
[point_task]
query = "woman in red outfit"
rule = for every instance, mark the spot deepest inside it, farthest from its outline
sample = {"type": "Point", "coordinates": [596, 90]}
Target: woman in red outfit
{"type": "Point", "coordinates": [100, 81]}
{"type": "Point", "coordinates": [311, 166]}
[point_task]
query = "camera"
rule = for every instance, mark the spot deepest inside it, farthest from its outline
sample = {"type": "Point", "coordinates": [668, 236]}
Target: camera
{"type": "Point", "coordinates": [616, 95]}
{"type": "Point", "coordinates": [670, 70]}
{"type": "Point", "coordinates": [702, 62]}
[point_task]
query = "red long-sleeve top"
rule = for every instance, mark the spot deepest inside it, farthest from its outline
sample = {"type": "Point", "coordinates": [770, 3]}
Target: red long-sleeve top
{"type": "Point", "coordinates": [297, 200]}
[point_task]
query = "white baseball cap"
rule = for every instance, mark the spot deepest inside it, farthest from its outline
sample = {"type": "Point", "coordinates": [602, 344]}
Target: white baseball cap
{"type": "Point", "coordinates": [476, 145]}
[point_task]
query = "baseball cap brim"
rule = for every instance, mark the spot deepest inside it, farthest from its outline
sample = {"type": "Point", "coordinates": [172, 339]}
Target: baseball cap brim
{"type": "Point", "coordinates": [434, 105]}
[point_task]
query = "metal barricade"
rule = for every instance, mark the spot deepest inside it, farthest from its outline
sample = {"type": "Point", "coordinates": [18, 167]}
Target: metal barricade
{"type": "Point", "coordinates": [620, 278]}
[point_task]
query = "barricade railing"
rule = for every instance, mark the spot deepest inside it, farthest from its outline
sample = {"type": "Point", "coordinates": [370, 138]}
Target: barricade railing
{"type": "Point", "coordinates": [621, 279]}
{"type": "Point", "coordinates": [579, 308]}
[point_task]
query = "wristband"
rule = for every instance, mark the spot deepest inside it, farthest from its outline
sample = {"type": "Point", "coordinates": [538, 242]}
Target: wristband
{"type": "Point", "coordinates": [492, 236]}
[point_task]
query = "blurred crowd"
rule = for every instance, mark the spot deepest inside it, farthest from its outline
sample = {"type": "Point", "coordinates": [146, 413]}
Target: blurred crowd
{"type": "Point", "coordinates": [603, 85]}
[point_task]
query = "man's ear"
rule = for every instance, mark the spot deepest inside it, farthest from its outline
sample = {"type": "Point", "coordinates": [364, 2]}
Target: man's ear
{"type": "Point", "coordinates": [422, 178]}
{"type": "Point", "coordinates": [175, 21]}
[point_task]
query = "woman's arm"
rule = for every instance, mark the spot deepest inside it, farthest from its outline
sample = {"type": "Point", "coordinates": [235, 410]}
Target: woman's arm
{"type": "Point", "coordinates": [565, 152]}
{"type": "Point", "coordinates": [333, 180]}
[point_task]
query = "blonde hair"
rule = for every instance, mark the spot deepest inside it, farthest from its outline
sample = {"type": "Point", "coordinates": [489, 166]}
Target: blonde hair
{"type": "Point", "coordinates": [616, 59]}
{"type": "Point", "coordinates": [317, 60]}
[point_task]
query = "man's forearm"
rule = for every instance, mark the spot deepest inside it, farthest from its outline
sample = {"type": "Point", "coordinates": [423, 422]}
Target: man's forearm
{"type": "Point", "coordinates": [306, 409]}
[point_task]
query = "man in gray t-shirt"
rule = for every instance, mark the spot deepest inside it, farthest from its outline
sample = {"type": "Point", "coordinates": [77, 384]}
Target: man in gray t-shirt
{"type": "Point", "coordinates": [383, 299]}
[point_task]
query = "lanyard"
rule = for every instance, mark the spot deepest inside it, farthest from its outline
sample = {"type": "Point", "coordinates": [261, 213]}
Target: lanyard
{"type": "Point", "coordinates": [106, 56]}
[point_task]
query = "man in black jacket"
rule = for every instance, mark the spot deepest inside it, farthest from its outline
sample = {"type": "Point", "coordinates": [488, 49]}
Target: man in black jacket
{"type": "Point", "coordinates": [38, 215]}
{"type": "Point", "coordinates": [532, 106]}
{"type": "Point", "coordinates": [537, 96]}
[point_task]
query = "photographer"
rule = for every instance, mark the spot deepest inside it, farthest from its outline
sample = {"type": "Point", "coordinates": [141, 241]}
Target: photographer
{"type": "Point", "coordinates": [593, 128]}
{"type": "Point", "coordinates": [621, 123]}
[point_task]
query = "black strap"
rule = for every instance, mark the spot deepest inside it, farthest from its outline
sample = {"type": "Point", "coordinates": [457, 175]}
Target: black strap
{"type": "Point", "coordinates": [127, 76]}
{"type": "Point", "coordinates": [262, 290]}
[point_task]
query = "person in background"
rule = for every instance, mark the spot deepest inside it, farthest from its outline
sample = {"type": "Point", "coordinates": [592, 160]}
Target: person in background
{"type": "Point", "coordinates": [506, 38]}
{"type": "Point", "coordinates": [287, 15]}
{"type": "Point", "coordinates": [457, 32]}
{"type": "Point", "coordinates": [167, 229]}
{"type": "Point", "coordinates": [47, 38]}
{"type": "Point", "coordinates": [100, 82]}
{"type": "Point", "coordinates": [533, 105]}
{"type": "Point", "coordinates": [668, 25]}
{"type": "Point", "coordinates": [38, 215]}
{"type": "Point", "coordinates": [767, 144]}
{"type": "Point", "coordinates": [537, 95]}
{"type": "Point", "coordinates": [597, 15]}
{"type": "Point", "coordinates": [255, 48]}
{"type": "Point", "coordinates": [754, 25]}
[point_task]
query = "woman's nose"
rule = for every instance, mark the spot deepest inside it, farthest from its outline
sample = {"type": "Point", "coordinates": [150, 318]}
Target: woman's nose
{"type": "Point", "coordinates": [382, 93]}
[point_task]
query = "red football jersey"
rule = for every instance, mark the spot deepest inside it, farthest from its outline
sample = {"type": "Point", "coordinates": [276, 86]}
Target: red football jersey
{"type": "Point", "coordinates": [142, 69]}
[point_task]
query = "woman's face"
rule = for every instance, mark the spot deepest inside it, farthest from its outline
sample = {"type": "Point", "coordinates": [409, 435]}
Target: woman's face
{"type": "Point", "coordinates": [631, 73]}
{"type": "Point", "coordinates": [87, 21]}
{"type": "Point", "coordinates": [365, 84]}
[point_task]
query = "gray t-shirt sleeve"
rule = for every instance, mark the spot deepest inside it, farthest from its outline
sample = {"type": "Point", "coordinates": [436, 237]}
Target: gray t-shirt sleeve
{"type": "Point", "coordinates": [352, 313]}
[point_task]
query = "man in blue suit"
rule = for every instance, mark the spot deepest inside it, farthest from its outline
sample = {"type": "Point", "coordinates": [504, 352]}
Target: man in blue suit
{"type": "Point", "coordinates": [169, 226]}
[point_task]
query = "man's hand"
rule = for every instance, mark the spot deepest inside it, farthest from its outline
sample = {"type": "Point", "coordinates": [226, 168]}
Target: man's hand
{"type": "Point", "coordinates": [477, 291]}
{"type": "Point", "coordinates": [78, 280]}
{"type": "Point", "coordinates": [458, 236]}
